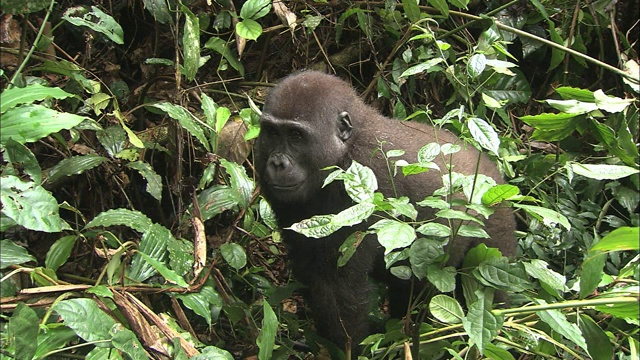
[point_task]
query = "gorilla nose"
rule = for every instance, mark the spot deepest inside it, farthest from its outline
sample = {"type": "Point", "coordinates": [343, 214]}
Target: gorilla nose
{"type": "Point", "coordinates": [280, 161]}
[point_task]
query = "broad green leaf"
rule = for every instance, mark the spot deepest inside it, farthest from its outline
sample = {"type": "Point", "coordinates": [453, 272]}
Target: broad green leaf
{"type": "Point", "coordinates": [481, 325]}
{"type": "Point", "coordinates": [434, 230]}
{"type": "Point", "coordinates": [428, 66]}
{"type": "Point", "coordinates": [318, 226]}
{"type": "Point", "coordinates": [611, 104]}
{"type": "Point", "coordinates": [267, 335]}
{"type": "Point", "coordinates": [14, 96]}
{"type": "Point", "coordinates": [30, 123]}
{"type": "Point", "coordinates": [349, 247]}
{"type": "Point", "coordinates": [444, 279]}
{"type": "Point", "coordinates": [167, 273]}
{"type": "Point", "coordinates": [215, 200]}
{"type": "Point", "coordinates": [401, 272]}
{"type": "Point", "coordinates": [569, 93]}
{"type": "Point", "coordinates": [591, 274]}
{"type": "Point", "coordinates": [255, 9]}
{"type": "Point", "coordinates": [539, 269]}
{"type": "Point", "coordinates": [510, 89]}
{"type": "Point", "coordinates": [85, 318]}
{"type": "Point", "coordinates": [159, 10]}
{"type": "Point", "coordinates": [353, 215]}
{"type": "Point", "coordinates": [234, 255]}
{"type": "Point", "coordinates": [457, 214]}
{"type": "Point", "coordinates": [126, 341]}
{"type": "Point", "coordinates": [267, 214]}
{"type": "Point", "coordinates": [222, 116]}
{"type": "Point", "coordinates": [498, 194]}
{"type": "Point", "coordinates": [424, 253]}
{"type": "Point", "coordinates": [476, 65]}
{"type": "Point", "coordinates": [501, 66]}
{"type": "Point", "coordinates": [186, 120]}
{"type": "Point", "coordinates": [472, 231]}
{"type": "Point", "coordinates": [59, 252]}
{"type": "Point", "coordinates": [74, 165]}
{"type": "Point", "coordinates": [411, 10]}
{"type": "Point", "coordinates": [547, 216]}
{"type": "Point", "coordinates": [22, 330]}
{"type": "Point", "coordinates": [180, 255]}
{"type": "Point", "coordinates": [222, 47]}
{"type": "Point", "coordinates": [428, 153]}
{"type": "Point", "coordinates": [491, 102]}
{"type": "Point", "coordinates": [446, 309]}
{"type": "Point", "coordinates": [620, 239]}
{"type": "Point", "coordinates": [362, 184]}
{"type": "Point", "coordinates": [602, 171]}
{"type": "Point", "coordinates": [484, 134]}
{"type": "Point", "coordinates": [13, 254]}
{"type": "Point", "coordinates": [495, 352]}
{"type": "Point", "coordinates": [190, 44]}
{"type": "Point", "coordinates": [574, 107]}
{"type": "Point", "coordinates": [53, 338]}
{"type": "Point", "coordinates": [95, 20]}
{"type": "Point", "coordinates": [559, 323]}
{"type": "Point", "coordinates": [19, 155]}
{"type": "Point", "coordinates": [441, 5]}
{"type": "Point", "coordinates": [130, 218]}
{"type": "Point", "coordinates": [249, 29]}
{"type": "Point", "coordinates": [239, 181]}
{"type": "Point", "coordinates": [154, 181]}
{"type": "Point", "coordinates": [209, 109]}
{"type": "Point", "coordinates": [154, 245]}
{"type": "Point", "coordinates": [207, 303]}
{"type": "Point", "coordinates": [503, 275]}
{"type": "Point", "coordinates": [557, 55]}
{"type": "Point", "coordinates": [393, 234]}
{"type": "Point", "coordinates": [598, 343]}
{"type": "Point", "coordinates": [15, 7]}
{"type": "Point", "coordinates": [403, 207]}
{"type": "Point", "coordinates": [30, 205]}
{"type": "Point", "coordinates": [213, 353]}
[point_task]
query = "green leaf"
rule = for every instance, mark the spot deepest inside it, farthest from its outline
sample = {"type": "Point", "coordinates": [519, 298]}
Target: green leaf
{"type": "Point", "coordinates": [441, 5]}
{"type": "Point", "coordinates": [349, 247]}
{"type": "Point", "coordinates": [222, 116]}
{"type": "Point", "coordinates": [74, 165]}
{"type": "Point", "coordinates": [207, 303]}
{"type": "Point", "coordinates": [480, 254]}
{"type": "Point", "coordinates": [27, 95]}
{"type": "Point", "coordinates": [159, 10]}
{"type": "Point", "coordinates": [31, 123]}
{"type": "Point", "coordinates": [234, 255]}
{"type": "Point", "coordinates": [559, 323]}
{"type": "Point", "coordinates": [498, 194]}
{"type": "Point", "coordinates": [446, 309]}
{"type": "Point", "coordinates": [130, 218]}
{"type": "Point", "coordinates": [267, 335]}
{"type": "Point", "coordinates": [213, 353]}
{"type": "Point", "coordinates": [444, 279]}
{"type": "Point", "coordinates": [557, 55]}
{"type": "Point", "coordinates": [255, 9]}
{"type": "Point", "coordinates": [53, 338]}
{"type": "Point", "coordinates": [568, 93]}
{"type": "Point", "coordinates": [21, 157]}
{"type": "Point", "coordinates": [167, 273]}
{"type": "Point", "coordinates": [484, 134]}
{"type": "Point", "coordinates": [75, 314]}
{"type": "Point", "coordinates": [15, 7]}
{"type": "Point", "coordinates": [239, 181]}
{"type": "Point", "coordinates": [13, 254]}
{"type": "Point", "coordinates": [95, 20]}
{"type": "Point", "coordinates": [428, 153]}
{"type": "Point", "coordinates": [30, 205]}
{"type": "Point", "coordinates": [598, 344]}
{"type": "Point", "coordinates": [424, 253]}
{"type": "Point", "coordinates": [411, 10]}
{"type": "Point", "coordinates": [361, 184]}
{"type": "Point", "coordinates": [510, 89]}
{"type": "Point", "coordinates": [476, 65]}
{"type": "Point", "coordinates": [153, 244]}
{"type": "Point", "coordinates": [59, 252]}
{"type": "Point", "coordinates": [222, 47]}
{"type": "Point", "coordinates": [154, 181]}
{"type": "Point", "coordinates": [620, 239]}
{"type": "Point", "coordinates": [539, 269]}
{"type": "Point", "coordinates": [574, 107]}
{"type": "Point", "coordinates": [602, 171]}
{"type": "Point", "coordinates": [434, 229]}
{"type": "Point", "coordinates": [23, 330]}
{"type": "Point", "coordinates": [191, 44]}
{"type": "Point", "coordinates": [187, 120]}
{"type": "Point", "coordinates": [126, 341]}
{"type": "Point", "coordinates": [428, 66]}
{"type": "Point", "coordinates": [502, 275]}
{"type": "Point", "coordinates": [547, 216]}
{"type": "Point", "coordinates": [591, 274]}
{"type": "Point", "coordinates": [495, 352]}
{"type": "Point", "coordinates": [249, 29]}
{"type": "Point", "coordinates": [217, 199]}
{"type": "Point", "coordinates": [611, 104]}
{"type": "Point", "coordinates": [393, 234]}
{"type": "Point", "coordinates": [481, 325]}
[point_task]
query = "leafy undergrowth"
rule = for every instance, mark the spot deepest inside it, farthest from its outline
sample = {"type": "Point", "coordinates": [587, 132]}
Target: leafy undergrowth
{"type": "Point", "coordinates": [131, 222]}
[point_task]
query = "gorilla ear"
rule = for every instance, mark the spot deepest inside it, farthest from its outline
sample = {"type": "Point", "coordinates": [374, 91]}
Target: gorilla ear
{"type": "Point", "coordinates": [344, 125]}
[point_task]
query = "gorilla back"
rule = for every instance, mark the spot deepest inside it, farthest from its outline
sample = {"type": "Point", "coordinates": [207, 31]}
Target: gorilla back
{"type": "Point", "coordinates": [313, 120]}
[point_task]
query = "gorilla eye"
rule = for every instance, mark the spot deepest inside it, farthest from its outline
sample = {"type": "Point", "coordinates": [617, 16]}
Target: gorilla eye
{"type": "Point", "coordinates": [295, 135]}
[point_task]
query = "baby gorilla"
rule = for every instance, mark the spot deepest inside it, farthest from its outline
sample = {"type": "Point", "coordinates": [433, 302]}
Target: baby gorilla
{"type": "Point", "coordinates": [313, 120]}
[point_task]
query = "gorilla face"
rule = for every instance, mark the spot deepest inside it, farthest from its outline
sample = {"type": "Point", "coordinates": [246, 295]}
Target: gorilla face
{"type": "Point", "coordinates": [297, 140]}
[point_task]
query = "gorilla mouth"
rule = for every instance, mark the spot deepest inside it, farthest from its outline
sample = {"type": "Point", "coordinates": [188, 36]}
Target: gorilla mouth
{"type": "Point", "coordinates": [286, 187]}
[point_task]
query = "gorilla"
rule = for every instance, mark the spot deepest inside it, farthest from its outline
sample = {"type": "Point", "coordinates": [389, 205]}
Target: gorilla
{"type": "Point", "coordinates": [312, 120]}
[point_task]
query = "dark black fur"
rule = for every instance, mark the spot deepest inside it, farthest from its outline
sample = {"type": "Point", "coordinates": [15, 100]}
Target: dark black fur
{"type": "Point", "coordinates": [304, 128]}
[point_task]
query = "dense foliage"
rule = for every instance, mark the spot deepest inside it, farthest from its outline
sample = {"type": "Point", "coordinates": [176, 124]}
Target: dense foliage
{"type": "Point", "coordinates": [132, 226]}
